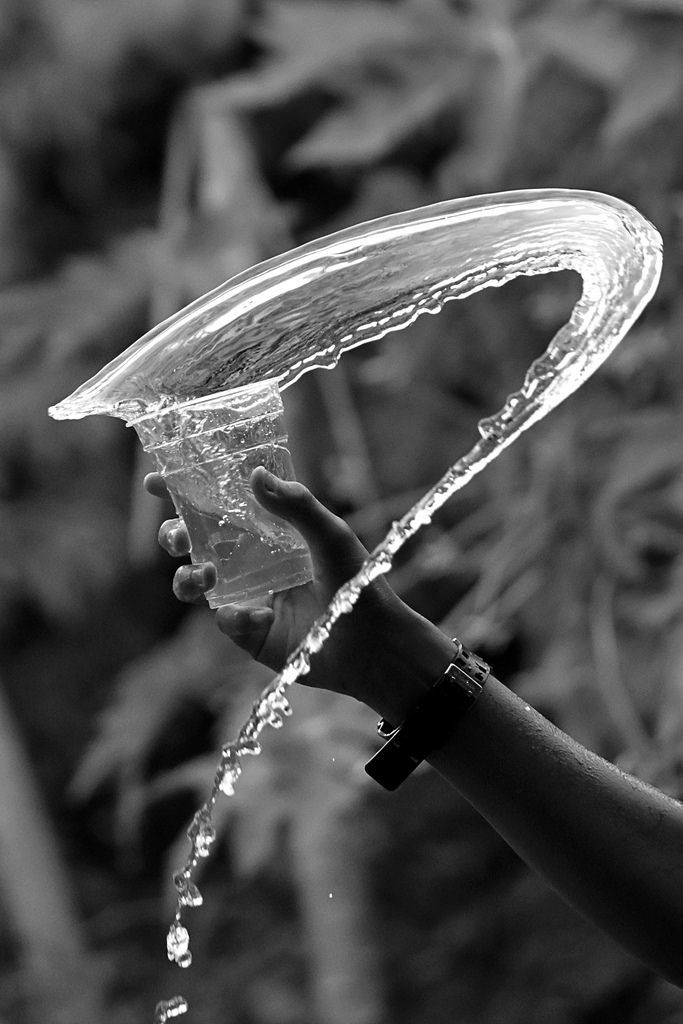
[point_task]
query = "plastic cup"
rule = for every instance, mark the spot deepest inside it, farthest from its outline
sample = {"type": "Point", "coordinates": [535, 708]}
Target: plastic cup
{"type": "Point", "coordinates": [206, 450]}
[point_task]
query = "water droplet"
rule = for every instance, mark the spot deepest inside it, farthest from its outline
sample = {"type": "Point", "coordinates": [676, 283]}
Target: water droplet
{"type": "Point", "coordinates": [204, 840]}
{"type": "Point", "coordinates": [316, 639]}
{"type": "Point", "coordinates": [168, 1008]}
{"type": "Point", "coordinates": [300, 665]}
{"type": "Point", "coordinates": [202, 832]}
{"type": "Point", "coordinates": [177, 941]}
{"type": "Point", "coordinates": [252, 747]}
{"type": "Point", "coordinates": [343, 602]}
{"type": "Point", "coordinates": [188, 893]}
{"type": "Point", "coordinates": [420, 517]}
{"type": "Point", "coordinates": [383, 561]}
{"type": "Point", "coordinates": [490, 429]}
{"type": "Point", "coordinates": [228, 780]}
{"type": "Point", "coordinates": [279, 703]}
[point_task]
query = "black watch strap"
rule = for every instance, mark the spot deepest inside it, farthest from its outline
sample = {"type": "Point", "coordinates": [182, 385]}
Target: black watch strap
{"type": "Point", "coordinates": [429, 724]}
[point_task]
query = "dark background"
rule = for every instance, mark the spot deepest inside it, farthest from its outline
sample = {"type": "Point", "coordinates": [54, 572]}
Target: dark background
{"type": "Point", "coordinates": [149, 149]}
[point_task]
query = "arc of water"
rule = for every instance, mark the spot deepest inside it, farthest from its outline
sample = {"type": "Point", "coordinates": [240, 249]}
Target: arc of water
{"type": "Point", "coordinates": [302, 310]}
{"type": "Point", "coordinates": [352, 288]}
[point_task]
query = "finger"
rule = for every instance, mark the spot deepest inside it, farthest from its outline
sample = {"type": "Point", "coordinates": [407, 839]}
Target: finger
{"type": "Point", "coordinates": [247, 627]}
{"type": "Point", "coordinates": [154, 484]}
{"type": "Point", "coordinates": [191, 582]}
{"type": "Point", "coordinates": [174, 538]}
{"type": "Point", "coordinates": [331, 541]}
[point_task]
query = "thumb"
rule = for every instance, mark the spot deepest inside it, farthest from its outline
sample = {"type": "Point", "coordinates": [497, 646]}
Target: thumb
{"type": "Point", "coordinates": [333, 544]}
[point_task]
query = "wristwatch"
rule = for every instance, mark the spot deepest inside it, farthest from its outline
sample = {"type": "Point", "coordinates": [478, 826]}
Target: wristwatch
{"type": "Point", "coordinates": [428, 725]}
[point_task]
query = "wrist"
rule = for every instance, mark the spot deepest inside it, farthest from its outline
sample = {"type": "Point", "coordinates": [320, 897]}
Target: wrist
{"type": "Point", "coordinates": [430, 721]}
{"type": "Point", "coordinates": [405, 664]}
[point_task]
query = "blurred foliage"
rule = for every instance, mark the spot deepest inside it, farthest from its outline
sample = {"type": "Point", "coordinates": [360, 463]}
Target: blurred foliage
{"type": "Point", "coordinates": [148, 150]}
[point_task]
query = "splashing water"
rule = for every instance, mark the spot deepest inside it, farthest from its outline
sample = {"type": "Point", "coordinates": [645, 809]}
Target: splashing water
{"type": "Point", "coordinates": [304, 309]}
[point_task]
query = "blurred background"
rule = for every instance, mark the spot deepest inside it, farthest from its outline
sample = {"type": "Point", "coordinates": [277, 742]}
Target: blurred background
{"type": "Point", "coordinates": [149, 149]}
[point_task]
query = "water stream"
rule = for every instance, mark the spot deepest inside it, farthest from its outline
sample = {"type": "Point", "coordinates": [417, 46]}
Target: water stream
{"type": "Point", "coordinates": [304, 309]}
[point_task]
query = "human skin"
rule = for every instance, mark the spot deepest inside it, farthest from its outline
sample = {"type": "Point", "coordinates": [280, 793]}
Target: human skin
{"type": "Point", "coordinates": [610, 844]}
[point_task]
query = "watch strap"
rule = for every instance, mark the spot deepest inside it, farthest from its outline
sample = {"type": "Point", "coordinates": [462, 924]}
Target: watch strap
{"type": "Point", "coordinates": [430, 722]}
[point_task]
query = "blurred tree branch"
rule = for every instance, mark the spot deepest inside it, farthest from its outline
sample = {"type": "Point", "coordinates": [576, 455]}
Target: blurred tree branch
{"type": "Point", "coordinates": [62, 981]}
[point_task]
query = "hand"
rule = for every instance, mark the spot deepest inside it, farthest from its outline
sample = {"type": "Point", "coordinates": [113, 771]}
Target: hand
{"type": "Point", "coordinates": [382, 653]}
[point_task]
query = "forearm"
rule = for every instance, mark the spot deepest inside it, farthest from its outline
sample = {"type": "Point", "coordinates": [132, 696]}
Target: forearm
{"type": "Point", "coordinates": [611, 845]}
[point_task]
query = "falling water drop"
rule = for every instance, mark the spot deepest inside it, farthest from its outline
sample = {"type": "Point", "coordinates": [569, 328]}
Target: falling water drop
{"type": "Point", "coordinates": [229, 770]}
{"type": "Point", "coordinates": [279, 703]}
{"type": "Point", "coordinates": [168, 1008]}
{"type": "Point", "coordinates": [177, 941]}
{"type": "Point", "coordinates": [202, 832]}
{"type": "Point", "coordinates": [491, 430]}
{"type": "Point", "coordinates": [188, 893]}
{"type": "Point", "coordinates": [317, 641]}
{"type": "Point", "coordinates": [252, 747]}
{"type": "Point", "coordinates": [228, 779]}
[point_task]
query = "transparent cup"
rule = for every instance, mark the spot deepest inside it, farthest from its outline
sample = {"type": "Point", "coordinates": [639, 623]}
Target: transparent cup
{"type": "Point", "coordinates": [206, 450]}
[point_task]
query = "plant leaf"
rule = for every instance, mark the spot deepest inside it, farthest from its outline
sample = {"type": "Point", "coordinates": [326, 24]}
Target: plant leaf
{"type": "Point", "coordinates": [651, 6]}
{"type": "Point", "coordinates": [365, 130]}
{"type": "Point", "coordinates": [652, 88]}
{"type": "Point", "coordinates": [195, 662]}
{"type": "Point", "coordinates": [317, 43]}
{"type": "Point", "coordinates": [596, 43]}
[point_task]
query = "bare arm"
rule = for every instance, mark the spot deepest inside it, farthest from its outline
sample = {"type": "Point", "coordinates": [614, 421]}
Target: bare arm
{"type": "Point", "coordinates": [609, 844]}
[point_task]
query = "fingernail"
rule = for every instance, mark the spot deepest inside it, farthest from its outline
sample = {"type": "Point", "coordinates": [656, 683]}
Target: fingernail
{"type": "Point", "coordinates": [199, 574]}
{"type": "Point", "coordinates": [241, 618]}
{"type": "Point", "coordinates": [270, 482]}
